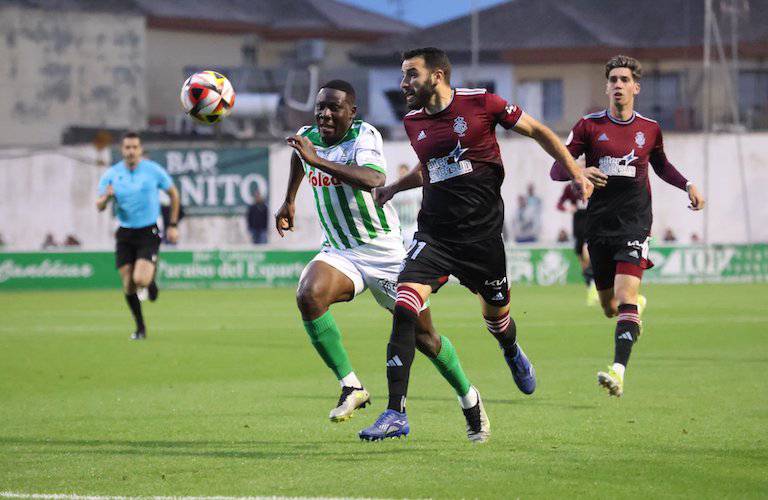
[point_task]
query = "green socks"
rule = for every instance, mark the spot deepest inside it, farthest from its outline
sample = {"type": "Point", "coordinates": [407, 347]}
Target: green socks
{"type": "Point", "coordinates": [448, 364]}
{"type": "Point", "coordinates": [326, 338]}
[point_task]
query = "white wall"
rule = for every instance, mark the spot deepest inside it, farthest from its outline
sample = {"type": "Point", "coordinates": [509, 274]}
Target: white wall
{"type": "Point", "coordinates": [51, 192]}
{"type": "Point", "coordinates": [69, 68]}
{"type": "Point", "coordinates": [55, 192]}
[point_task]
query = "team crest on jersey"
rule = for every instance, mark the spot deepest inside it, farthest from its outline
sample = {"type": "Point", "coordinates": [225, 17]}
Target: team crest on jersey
{"type": "Point", "coordinates": [460, 125]}
{"type": "Point", "coordinates": [640, 139]}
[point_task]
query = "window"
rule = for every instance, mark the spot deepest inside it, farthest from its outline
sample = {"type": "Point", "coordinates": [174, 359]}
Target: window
{"type": "Point", "coordinates": [660, 99]}
{"type": "Point", "coordinates": [553, 100]}
{"type": "Point", "coordinates": [542, 99]}
{"type": "Point", "coordinates": [753, 98]}
{"type": "Point", "coordinates": [488, 85]}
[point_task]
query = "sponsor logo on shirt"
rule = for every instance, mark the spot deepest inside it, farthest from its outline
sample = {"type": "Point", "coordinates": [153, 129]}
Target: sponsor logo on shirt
{"type": "Point", "coordinates": [422, 136]}
{"type": "Point", "coordinates": [319, 179]}
{"type": "Point", "coordinates": [620, 167]}
{"type": "Point", "coordinates": [449, 166]}
{"type": "Point", "coordinates": [460, 125]}
{"type": "Point", "coordinates": [602, 137]}
{"type": "Point", "coordinates": [510, 109]}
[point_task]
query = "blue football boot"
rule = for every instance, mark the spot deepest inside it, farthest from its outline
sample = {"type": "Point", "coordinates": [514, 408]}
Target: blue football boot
{"type": "Point", "coordinates": [390, 424]}
{"type": "Point", "coordinates": [522, 370]}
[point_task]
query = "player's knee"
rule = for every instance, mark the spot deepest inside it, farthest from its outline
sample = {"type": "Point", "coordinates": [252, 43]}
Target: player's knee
{"type": "Point", "coordinates": [310, 299]}
{"type": "Point", "coordinates": [142, 281]}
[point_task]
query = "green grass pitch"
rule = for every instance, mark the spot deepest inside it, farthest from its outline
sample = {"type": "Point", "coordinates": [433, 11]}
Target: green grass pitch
{"type": "Point", "coordinates": [227, 397]}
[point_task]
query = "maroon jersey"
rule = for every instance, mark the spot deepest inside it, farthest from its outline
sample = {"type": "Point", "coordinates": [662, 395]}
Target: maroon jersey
{"type": "Point", "coordinates": [569, 194]}
{"type": "Point", "coordinates": [461, 165]}
{"type": "Point", "coordinates": [622, 151]}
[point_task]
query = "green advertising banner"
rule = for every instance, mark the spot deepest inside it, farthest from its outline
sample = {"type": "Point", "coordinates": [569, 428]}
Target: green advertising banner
{"type": "Point", "coordinates": [215, 181]}
{"type": "Point", "coordinates": [713, 264]}
{"type": "Point", "coordinates": [252, 268]}
{"type": "Point", "coordinates": [699, 264]}
{"type": "Point", "coordinates": [226, 269]}
{"type": "Point", "coordinates": [176, 269]}
{"type": "Point", "coordinates": [57, 271]}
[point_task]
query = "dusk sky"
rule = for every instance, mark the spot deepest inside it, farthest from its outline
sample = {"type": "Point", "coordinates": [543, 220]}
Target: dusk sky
{"type": "Point", "coordinates": [421, 12]}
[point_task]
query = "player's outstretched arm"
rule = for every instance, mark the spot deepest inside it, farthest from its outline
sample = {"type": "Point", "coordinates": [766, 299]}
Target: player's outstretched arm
{"type": "Point", "coordinates": [697, 200]}
{"type": "Point", "coordinates": [284, 216]}
{"type": "Point", "coordinates": [669, 174]}
{"type": "Point", "coordinates": [547, 139]}
{"type": "Point", "coordinates": [414, 179]}
{"type": "Point", "coordinates": [362, 178]}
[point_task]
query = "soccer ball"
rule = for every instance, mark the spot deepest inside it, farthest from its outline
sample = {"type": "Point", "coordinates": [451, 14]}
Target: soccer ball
{"type": "Point", "coordinates": [207, 96]}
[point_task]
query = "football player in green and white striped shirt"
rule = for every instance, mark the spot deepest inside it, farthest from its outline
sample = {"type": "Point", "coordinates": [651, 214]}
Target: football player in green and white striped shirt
{"type": "Point", "coordinates": [342, 160]}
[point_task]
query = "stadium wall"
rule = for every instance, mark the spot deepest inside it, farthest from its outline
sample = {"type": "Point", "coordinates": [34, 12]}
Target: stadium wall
{"type": "Point", "coordinates": [53, 192]}
{"type": "Point", "coordinates": [64, 68]}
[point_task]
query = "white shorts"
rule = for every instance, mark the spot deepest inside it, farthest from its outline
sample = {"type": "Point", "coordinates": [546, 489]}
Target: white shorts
{"type": "Point", "coordinates": [368, 266]}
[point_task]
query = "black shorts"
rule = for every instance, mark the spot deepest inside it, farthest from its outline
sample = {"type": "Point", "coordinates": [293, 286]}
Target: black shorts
{"type": "Point", "coordinates": [618, 256]}
{"type": "Point", "coordinates": [139, 243]}
{"type": "Point", "coordinates": [480, 266]}
{"type": "Point", "coordinates": [579, 230]}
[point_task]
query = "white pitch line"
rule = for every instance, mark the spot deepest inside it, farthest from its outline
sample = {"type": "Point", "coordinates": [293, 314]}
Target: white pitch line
{"type": "Point", "coordinates": [63, 496]}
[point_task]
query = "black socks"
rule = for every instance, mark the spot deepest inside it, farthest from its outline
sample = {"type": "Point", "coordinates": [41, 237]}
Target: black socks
{"type": "Point", "coordinates": [627, 331]}
{"type": "Point", "coordinates": [135, 305]}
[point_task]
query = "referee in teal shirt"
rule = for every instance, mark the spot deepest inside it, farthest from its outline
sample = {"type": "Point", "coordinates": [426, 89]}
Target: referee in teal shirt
{"type": "Point", "coordinates": [133, 184]}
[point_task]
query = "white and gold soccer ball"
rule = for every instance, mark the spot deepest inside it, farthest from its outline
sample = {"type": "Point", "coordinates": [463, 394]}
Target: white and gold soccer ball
{"type": "Point", "coordinates": [207, 96]}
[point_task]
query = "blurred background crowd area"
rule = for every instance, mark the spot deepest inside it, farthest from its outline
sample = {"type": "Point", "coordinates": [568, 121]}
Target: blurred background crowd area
{"type": "Point", "coordinates": [80, 72]}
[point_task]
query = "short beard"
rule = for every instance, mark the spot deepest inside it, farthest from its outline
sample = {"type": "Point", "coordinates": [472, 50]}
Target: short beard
{"type": "Point", "coordinates": [422, 96]}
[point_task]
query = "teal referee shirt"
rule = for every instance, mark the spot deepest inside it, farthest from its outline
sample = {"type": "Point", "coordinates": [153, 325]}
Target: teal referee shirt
{"type": "Point", "coordinates": [137, 201]}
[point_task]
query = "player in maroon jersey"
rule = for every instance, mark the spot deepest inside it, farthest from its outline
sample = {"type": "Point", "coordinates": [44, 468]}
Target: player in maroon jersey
{"type": "Point", "coordinates": [569, 202]}
{"type": "Point", "coordinates": [619, 144]}
{"type": "Point", "coordinates": [452, 132]}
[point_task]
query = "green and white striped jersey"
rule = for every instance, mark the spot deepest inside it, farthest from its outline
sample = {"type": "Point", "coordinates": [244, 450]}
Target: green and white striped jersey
{"type": "Point", "coordinates": [348, 215]}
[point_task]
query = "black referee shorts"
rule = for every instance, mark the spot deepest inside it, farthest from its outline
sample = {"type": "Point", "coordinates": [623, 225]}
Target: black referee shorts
{"type": "Point", "coordinates": [139, 243]}
{"type": "Point", "coordinates": [481, 266]}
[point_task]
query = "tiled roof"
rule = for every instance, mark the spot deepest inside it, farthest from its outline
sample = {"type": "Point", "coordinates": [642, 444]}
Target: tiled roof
{"type": "Point", "coordinates": [272, 16]}
{"type": "Point", "coordinates": [548, 25]}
